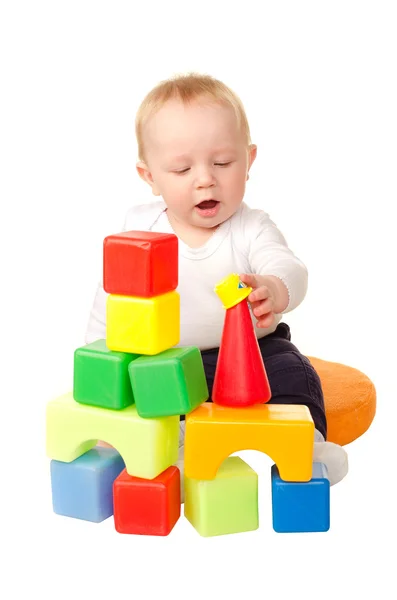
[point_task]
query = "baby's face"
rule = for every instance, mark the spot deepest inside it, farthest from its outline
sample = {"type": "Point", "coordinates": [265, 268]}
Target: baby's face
{"type": "Point", "coordinates": [198, 161]}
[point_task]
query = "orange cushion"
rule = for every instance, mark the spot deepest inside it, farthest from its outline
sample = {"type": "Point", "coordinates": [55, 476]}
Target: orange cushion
{"type": "Point", "coordinates": [350, 400]}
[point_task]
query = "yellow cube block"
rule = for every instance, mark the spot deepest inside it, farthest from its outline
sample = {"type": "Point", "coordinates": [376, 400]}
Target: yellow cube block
{"type": "Point", "coordinates": [142, 325]}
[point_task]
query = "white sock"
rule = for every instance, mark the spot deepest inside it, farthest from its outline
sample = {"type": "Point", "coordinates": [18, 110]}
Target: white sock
{"type": "Point", "coordinates": [334, 457]}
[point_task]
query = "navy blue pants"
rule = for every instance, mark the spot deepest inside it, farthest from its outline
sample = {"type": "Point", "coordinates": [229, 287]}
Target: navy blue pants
{"type": "Point", "coordinates": [291, 376]}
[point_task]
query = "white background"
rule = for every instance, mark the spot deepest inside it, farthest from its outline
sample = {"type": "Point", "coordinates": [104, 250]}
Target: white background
{"type": "Point", "coordinates": [318, 80]}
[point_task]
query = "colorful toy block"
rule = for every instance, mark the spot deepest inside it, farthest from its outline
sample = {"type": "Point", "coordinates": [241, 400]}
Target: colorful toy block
{"type": "Point", "coordinates": [101, 376]}
{"type": "Point", "coordinates": [148, 446]}
{"type": "Point", "coordinates": [129, 391]}
{"type": "Point", "coordinates": [284, 433]}
{"type": "Point", "coordinates": [170, 383]}
{"type": "Point", "coordinates": [301, 507]}
{"type": "Point", "coordinates": [83, 489]}
{"type": "Point", "coordinates": [226, 504]}
{"type": "Point", "coordinates": [142, 325]}
{"type": "Point", "coordinates": [147, 507]}
{"type": "Point", "coordinates": [140, 263]}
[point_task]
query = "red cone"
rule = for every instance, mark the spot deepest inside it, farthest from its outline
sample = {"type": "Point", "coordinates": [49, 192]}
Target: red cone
{"type": "Point", "coordinates": [240, 377]}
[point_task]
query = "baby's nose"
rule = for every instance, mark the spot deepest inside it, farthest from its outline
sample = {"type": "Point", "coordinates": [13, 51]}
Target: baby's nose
{"type": "Point", "coordinates": [205, 178]}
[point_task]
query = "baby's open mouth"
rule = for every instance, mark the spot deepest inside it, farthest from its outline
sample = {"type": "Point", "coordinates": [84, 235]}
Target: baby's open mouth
{"type": "Point", "coordinates": [207, 204]}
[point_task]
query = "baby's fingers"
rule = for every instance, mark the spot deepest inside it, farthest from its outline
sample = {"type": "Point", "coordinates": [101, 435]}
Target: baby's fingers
{"type": "Point", "coordinates": [266, 321]}
{"type": "Point", "coordinates": [261, 293]}
{"type": "Point", "coordinates": [263, 307]}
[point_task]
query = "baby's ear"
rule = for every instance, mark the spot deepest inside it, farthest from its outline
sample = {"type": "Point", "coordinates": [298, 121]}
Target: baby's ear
{"type": "Point", "coordinates": [145, 174]}
{"type": "Point", "coordinates": [252, 151]}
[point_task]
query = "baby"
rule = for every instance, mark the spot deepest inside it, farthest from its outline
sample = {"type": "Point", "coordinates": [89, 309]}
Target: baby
{"type": "Point", "coordinates": [195, 152]}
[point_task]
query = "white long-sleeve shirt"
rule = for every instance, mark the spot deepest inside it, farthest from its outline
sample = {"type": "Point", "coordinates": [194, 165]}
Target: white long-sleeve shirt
{"type": "Point", "coordinates": [248, 242]}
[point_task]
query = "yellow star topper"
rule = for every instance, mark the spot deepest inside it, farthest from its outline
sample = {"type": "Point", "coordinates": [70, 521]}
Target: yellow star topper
{"type": "Point", "coordinates": [231, 290]}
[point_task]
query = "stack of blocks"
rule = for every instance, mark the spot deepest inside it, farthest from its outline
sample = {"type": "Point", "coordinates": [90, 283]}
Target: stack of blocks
{"type": "Point", "coordinates": [130, 390]}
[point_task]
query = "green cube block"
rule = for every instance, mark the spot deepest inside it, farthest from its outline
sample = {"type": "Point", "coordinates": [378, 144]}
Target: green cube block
{"type": "Point", "coordinates": [101, 376]}
{"type": "Point", "coordinates": [169, 383]}
{"type": "Point", "coordinates": [226, 504]}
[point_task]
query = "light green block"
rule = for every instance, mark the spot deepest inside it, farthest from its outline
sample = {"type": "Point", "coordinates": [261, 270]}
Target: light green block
{"type": "Point", "coordinates": [147, 446]}
{"type": "Point", "coordinates": [226, 504]}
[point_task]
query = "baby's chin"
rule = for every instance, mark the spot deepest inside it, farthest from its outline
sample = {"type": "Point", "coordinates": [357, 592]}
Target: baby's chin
{"type": "Point", "coordinates": [208, 224]}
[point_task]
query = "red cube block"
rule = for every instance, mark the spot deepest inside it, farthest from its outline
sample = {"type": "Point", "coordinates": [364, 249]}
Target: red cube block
{"type": "Point", "coordinates": [147, 506]}
{"type": "Point", "coordinates": [140, 263]}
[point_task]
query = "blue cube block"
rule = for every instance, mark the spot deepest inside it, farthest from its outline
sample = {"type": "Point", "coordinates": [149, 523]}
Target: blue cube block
{"type": "Point", "coordinates": [301, 506]}
{"type": "Point", "coordinates": [83, 488]}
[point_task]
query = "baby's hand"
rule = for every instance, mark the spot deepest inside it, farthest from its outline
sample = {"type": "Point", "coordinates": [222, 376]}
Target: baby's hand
{"type": "Point", "coordinates": [267, 296]}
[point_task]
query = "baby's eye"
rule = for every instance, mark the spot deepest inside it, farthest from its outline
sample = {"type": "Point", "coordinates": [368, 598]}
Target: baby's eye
{"type": "Point", "coordinates": [183, 171]}
{"type": "Point", "coordinates": [225, 164]}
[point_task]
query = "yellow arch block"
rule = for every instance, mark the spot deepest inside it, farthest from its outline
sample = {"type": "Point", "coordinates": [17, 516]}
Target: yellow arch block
{"type": "Point", "coordinates": [284, 432]}
{"type": "Point", "coordinates": [147, 446]}
{"type": "Point", "coordinates": [142, 325]}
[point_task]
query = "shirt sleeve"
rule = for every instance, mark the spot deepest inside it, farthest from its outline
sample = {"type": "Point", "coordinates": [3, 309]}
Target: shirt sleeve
{"type": "Point", "coordinates": [269, 254]}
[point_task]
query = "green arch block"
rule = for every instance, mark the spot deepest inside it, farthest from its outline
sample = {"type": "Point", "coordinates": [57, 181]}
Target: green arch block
{"type": "Point", "coordinates": [147, 446]}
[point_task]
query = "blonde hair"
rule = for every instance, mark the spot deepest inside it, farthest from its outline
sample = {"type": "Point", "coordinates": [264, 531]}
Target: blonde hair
{"type": "Point", "coordinates": [188, 88]}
